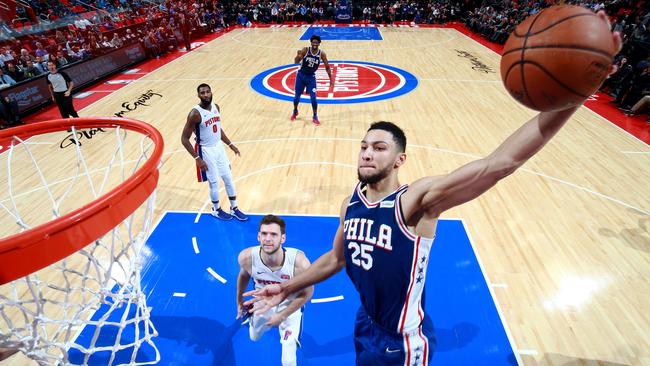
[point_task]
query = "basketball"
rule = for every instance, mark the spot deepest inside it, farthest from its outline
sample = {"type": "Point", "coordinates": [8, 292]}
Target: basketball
{"type": "Point", "coordinates": [557, 58]}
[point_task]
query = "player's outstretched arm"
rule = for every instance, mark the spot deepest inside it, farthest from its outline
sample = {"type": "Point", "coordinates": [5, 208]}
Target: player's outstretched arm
{"type": "Point", "coordinates": [302, 264]}
{"type": "Point", "coordinates": [434, 195]}
{"type": "Point", "coordinates": [323, 268]}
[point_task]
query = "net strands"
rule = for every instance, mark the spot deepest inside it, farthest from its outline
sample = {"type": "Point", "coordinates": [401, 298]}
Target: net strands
{"type": "Point", "coordinates": [43, 314]}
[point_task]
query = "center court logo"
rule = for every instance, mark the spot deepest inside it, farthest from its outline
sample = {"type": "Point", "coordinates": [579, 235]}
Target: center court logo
{"type": "Point", "coordinates": [354, 82]}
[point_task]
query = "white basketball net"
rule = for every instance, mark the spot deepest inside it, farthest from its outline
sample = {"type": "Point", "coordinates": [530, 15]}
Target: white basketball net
{"type": "Point", "coordinates": [44, 313]}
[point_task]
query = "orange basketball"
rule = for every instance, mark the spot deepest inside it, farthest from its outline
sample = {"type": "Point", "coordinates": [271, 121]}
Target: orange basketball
{"type": "Point", "coordinates": [557, 58]}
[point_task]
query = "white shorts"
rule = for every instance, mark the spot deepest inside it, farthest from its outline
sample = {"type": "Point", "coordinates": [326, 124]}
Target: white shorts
{"type": "Point", "coordinates": [289, 329]}
{"type": "Point", "coordinates": [216, 159]}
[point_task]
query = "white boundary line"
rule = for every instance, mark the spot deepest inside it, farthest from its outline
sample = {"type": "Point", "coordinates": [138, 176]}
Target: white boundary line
{"type": "Point", "coordinates": [468, 155]}
{"type": "Point", "coordinates": [636, 152]}
{"type": "Point", "coordinates": [494, 298]}
{"type": "Point", "coordinates": [155, 225]}
{"type": "Point", "coordinates": [207, 202]}
{"type": "Point", "coordinates": [327, 299]}
{"type": "Point", "coordinates": [179, 294]}
{"type": "Point", "coordinates": [216, 275]}
{"type": "Point", "coordinates": [195, 245]}
{"type": "Point", "coordinates": [418, 46]}
{"type": "Point", "coordinates": [581, 188]}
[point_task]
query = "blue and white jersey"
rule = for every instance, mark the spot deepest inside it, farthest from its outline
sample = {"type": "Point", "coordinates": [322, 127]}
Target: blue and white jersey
{"type": "Point", "coordinates": [385, 261]}
{"type": "Point", "coordinates": [310, 62]}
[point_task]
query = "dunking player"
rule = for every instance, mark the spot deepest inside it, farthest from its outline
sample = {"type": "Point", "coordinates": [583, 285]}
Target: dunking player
{"type": "Point", "coordinates": [204, 121]}
{"type": "Point", "coordinates": [270, 263]}
{"type": "Point", "coordinates": [309, 58]}
{"type": "Point", "coordinates": [386, 231]}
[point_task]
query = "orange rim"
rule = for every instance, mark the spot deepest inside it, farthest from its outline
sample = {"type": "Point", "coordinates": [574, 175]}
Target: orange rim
{"type": "Point", "coordinates": [37, 248]}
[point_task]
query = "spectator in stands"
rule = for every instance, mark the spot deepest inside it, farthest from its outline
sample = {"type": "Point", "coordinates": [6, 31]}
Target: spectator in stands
{"type": "Point", "coordinates": [623, 74]}
{"type": "Point", "coordinates": [14, 72]}
{"type": "Point", "coordinates": [82, 23]}
{"type": "Point", "coordinates": [185, 27]}
{"type": "Point", "coordinates": [30, 71]}
{"type": "Point", "coordinates": [640, 87]}
{"type": "Point", "coordinates": [60, 60]}
{"type": "Point", "coordinates": [75, 54]}
{"type": "Point", "coordinates": [24, 57]}
{"type": "Point", "coordinates": [5, 54]}
{"type": "Point", "coordinates": [86, 52]}
{"type": "Point", "coordinates": [9, 112]}
{"type": "Point", "coordinates": [40, 64]}
{"type": "Point", "coordinates": [105, 43]}
{"type": "Point", "coordinates": [40, 51]}
{"type": "Point", "coordinates": [116, 42]}
{"type": "Point", "coordinates": [6, 80]}
{"type": "Point", "coordinates": [59, 37]}
{"type": "Point", "coordinates": [129, 36]}
{"type": "Point", "coordinates": [243, 20]}
{"type": "Point", "coordinates": [94, 43]}
{"type": "Point", "coordinates": [151, 45]}
{"type": "Point", "coordinates": [641, 105]}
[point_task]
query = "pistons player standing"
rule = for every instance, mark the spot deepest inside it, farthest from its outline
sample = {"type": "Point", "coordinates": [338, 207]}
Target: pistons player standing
{"type": "Point", "coordinates": [309, 59]}
{"type": "Point", "coordinates": [212, 162]}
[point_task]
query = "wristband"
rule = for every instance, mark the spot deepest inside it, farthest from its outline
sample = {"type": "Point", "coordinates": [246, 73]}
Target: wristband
{"type": "Point", "coordinates": [197, 157]}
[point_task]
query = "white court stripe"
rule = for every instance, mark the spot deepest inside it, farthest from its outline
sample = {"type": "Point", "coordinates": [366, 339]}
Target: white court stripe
{"type": "Point", "coordinates": [179, 294]}
{"type": "Point", "coordinates": [636, 152]}
{"type": "Point", "coordinates": [499, 285]}
{"type": "Point", "coordinates": [196, 247]}
{"type": "Point", "coordinates": [216, 275]}
{"type": "Point", "coordinates": [205, 205]}
{"type": "Point", "coordinates": [528, 352]}
{"type": "Point", "coordinates": [327, 299]}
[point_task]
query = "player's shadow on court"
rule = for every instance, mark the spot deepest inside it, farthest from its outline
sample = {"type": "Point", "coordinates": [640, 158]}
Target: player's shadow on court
{"type": "Point", "coordinates": [339, 346]}
{"type": "Point", "coordinates": [457, 337]}
{"type": "Point", "coordinates": [203, 334]}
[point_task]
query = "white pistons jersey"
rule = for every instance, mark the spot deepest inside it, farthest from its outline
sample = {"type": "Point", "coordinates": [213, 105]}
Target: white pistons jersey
{"type": "Point", "coordinates": [208, 131]}
{"type": "Point", "coordinates": [263, 275]}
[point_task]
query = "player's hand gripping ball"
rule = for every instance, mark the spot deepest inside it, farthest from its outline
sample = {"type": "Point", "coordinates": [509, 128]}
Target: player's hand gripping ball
{"type": "Point", "coordinates": [557, 58]}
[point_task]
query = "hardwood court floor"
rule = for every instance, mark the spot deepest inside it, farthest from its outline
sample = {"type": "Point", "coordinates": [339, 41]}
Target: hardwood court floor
{"type": "Point", "coordinates": [565, 240]}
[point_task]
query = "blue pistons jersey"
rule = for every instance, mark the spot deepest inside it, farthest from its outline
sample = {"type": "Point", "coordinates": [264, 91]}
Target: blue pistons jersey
{"type": "Point", "coordinates": [310, 62]}
{"type": "Point", "coordinates": [386, 262]}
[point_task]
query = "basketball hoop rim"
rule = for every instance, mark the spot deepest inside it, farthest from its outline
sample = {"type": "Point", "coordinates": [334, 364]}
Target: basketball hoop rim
{"type": "Point", "coordinates": [36, 248]}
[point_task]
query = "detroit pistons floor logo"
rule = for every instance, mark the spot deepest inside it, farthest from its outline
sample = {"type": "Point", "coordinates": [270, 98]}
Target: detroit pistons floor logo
{"type": "Point", "coordinates": [354, 82]}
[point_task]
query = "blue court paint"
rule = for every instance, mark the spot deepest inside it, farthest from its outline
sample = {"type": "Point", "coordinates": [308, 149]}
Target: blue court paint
{"type": "Point", "coordinates": [200, 328]}
{"type": "Point", "coordinates": [343, 33]}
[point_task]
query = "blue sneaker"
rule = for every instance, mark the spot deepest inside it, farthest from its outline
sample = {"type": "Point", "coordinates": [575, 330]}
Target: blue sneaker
{"type": "Point", "coordinates": [221, 214]}
{"type": "Point", "coordinates": [236, 213]}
